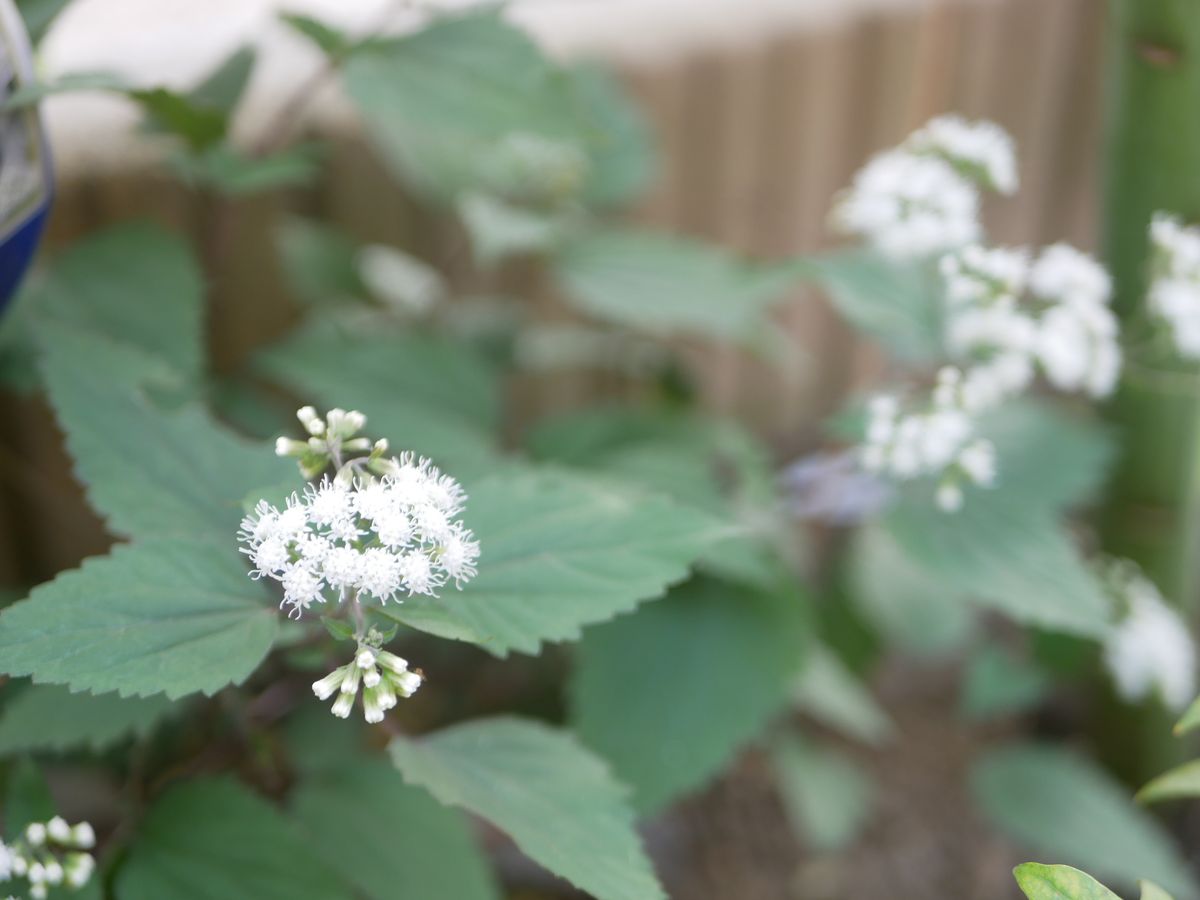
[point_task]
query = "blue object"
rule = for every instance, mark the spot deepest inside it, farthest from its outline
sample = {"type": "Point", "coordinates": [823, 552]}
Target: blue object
{"type": "Point", "coordinates": [26, 175]}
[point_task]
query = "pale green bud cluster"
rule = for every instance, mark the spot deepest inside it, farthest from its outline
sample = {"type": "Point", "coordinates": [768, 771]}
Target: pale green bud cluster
{"type": "Point", "coordinates": [49, 854]}
{"type": "Point", "coordinates": [384, 678]}
{"type": "Point", "coordinates": [330, 440]}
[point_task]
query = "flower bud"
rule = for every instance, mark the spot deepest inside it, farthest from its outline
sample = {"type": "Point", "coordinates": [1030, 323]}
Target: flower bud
{"type": "Point", "coordinates": [365, 659]}
{"type": "Point", "coordinates": [391, 661]}
{"type": "Point", "coordinates": [58, 830]}
{"type": "Point", "coordinates": [39, 891]}
{"type": "Point", "coordinates": [35, 833]}
{"type": "Point", "coordinates": [329, 685]}
{"type": "Point", "coordinates": [54, 872]}
{"type": "Point", "coordinates": [342, 705]}
{"type": "Point", "coordinates": [350, 680]}
{"type": "Point", "coordinates": [287, 447]}
{"type": "Point", "coordinates": [372, 710]}
{"type": "Point", "coordinates": [36, 873]}
{"type": "Point", "coordinates": [79, 868]}
{"type": "Point", "coordinates": [407, 683]}
{"type": "Point", "coordinates": [371, 677]}
{"type": "Point", "coordinates": [83, 837]}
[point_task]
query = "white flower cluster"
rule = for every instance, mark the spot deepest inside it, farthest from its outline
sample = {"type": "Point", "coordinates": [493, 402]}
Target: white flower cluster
{"type": "Point", "coordinates": [384, 677]}
{"type": "Point", "coordinates": [937, 441]}
{"type": "Point", "coordinates": [49, 854]}
{"type": "Point", "coordinates": [376, 538]}
{"type": "Point", "coordinates": [1008, 315]}
{"type": "Point", "coordinates": [1175, 286]}
{"type": "Point", "coordinates": [922, 198]}
{"type": "Point", "coordinates": [1150, 650]}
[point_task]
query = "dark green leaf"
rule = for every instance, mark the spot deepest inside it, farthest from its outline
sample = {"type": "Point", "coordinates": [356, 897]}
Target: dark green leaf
{"type": "Point", "coordinates": [554, 799]}
{"type": "Point", "coordinates": [211, 839]}
{"type": "Point", "coordinates": [50, 717]}
{"type": "Point", "coordinates": [670, 692]}
{"type": "Point", "coordinates": [391, 840]}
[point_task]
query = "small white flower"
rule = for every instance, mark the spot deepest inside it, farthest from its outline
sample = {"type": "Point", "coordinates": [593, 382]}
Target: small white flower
{"type": "Point", "coordinates": [1063, 274]}
{"type": "Point", "coordinates": [978, 460]}
{"type": "Point", "coordinates": [1174, 295]}
{"type": "Point", "coordinates": [83, 837]}
{"type": "Point", "coordinates": [330, 684]}
{"type": "Point", "coordinates": [910, 206]}
{"type": "Point", "coordinates": [54, 872]}
{"type": "Point", "coordinates": [949, 497]}
{"type": "Point", "coordinates": [35, 834]}
{"type": "Point", "coordinates": [407, 683]}
{"type": "Point", "coordinates": [1151, 649]}
{"type": "Point", "coordinates": [79, 868]}
{"type": "Point", "coordinates": [343, 705]}
{"type": "Point", "coordinates": [365, 658]}
{"type": "Point", "coordinates": [983, 148]}
{"type": "Point", "coordinates": [301, 587]}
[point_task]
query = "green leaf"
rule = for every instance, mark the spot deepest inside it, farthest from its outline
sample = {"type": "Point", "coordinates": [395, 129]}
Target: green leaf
{"type": "Point", "coordinates": [826, 796]}
{"type": "Point", "coordinates": [669, 285]}
{"type": "Point", "coordinates": [669, 693]}
{"type": "Point", "coordinates": [166, 615]}
{"type": "Point", "coordinates": [907, 602]}
{"type": "Point", "coordinates": [51, 718]}
{"type": "Point", "coordinates": [338, 629]}
{"type": "Point", "coordinates": [1042, 882]}
{"type": "Point", "coordinates": [1182, 781]}
{"type": "Point", "coordinates": [1190, 718]}
{"type": "Point", "coordinates": [135, 284]}
{"type": "Point", "coordinates": [554, 799]}
{"type": "Point", "coordinates": [26, 798]}
{"type": "Point", "coordinates": [230, 171]}
{"type": "Point", "coordinates": [169, 112]}
{"type": "Point", "coordinates": [1065, 807]}
{"type": "Point", "coordinates": [34, 92]}
{"type": "Point", "coordinates": [319, 261]}
{"type": "Point", "coordinates": [1006, 548]}
{"type": "Point", "coordinates": [150, 472]}
{"type": "Point", "coordinates": [998, 684]}
{"type": "Point", "coordinates": [223, 87]}
{"type": "Point", "coordinates": [899, 305]}
{"type": "Point", "coordinates": [39, 15]}
{"type": "Point", "coordinates": [622, 155]}
{"type": "Point", "coordinates": [390, 840]}
{"type": "Point", "coordinates": [500, 229]}
{"type": "Point", "coordinates": [211, 838]}
{"type": "Point", "coordinates": [332, 41]}
{"type": "Point", "coordinates": [421, 392]}
{"type": "Point", "coordinates": [440, 101]}
{"type": "Point", "coordinates": [559, 552]}
{"type": "Point", "coordinates": [1151, 891]}
{"type": "Point", "coordinates": [829, 692]}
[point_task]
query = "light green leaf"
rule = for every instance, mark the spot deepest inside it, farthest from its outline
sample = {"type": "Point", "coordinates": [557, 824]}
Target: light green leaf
{"type": "Point", "coordinates": [500, 229]}
{"type": "Point", "coordinates": [829, 692]}
{"type": "Point", "coordinates": [440, 101]}
{"type": "Point", "coordinates": [670, 285]}
{"type": "Point", "coordinates": [899, 305]}
{"type": "Point", "coordinates": [1042, 882]}
{"type": "Point", "coordinates": [669, 693]}
{"type": "Point", "coordinates": [1065, 807]}
{"type": "Point", "coordinates": [622, 155]}
{"type": "Point", "coordinates": [997, 684]}
{"type": "Point", "coordinates": [320, 262]}
{"type": "Point", "coordinates": [211, 839]}
{"type": "Point", "coordinates": [332, 41]}
{"type": "Point", "coordinates": [34, 92]}
{"type": "Point", "coordinates": [558, 552]}
{"type": "Point", "coordinates": [167, 615]}
{"type": "Point", "coordinates": [907, 602]}
{"type": "Point", "coordinates": [1190, 718]}
{"type": "Point", "coordinates": [235, 173]}
{"type": "Point", "coordinates": [51, 718]}
{"type": "Point", "coordinates": [554, 799]}
{"type": "Point", "coordinates": [421, 392]}
{"type": "Point", "coordinates": [826, 796]}
{"type": "Point", "coordinates": [134, 284]}
{"type": "Point", "coordinates": [150, 472]}
{"type": "Point", "coordinates": [222, 88]}
{"type": "Point", "coordinates": [390, 840]}
{"type": "Point", "coordinates": [1182, 781]}
{"type": "Point", "coordinates": [1151, 891]}
{"type": "Point", "coordinates": [1006, 548]}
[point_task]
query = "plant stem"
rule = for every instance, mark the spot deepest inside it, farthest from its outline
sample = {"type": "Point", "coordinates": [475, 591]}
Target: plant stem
{"type": "Point", "coordinates": [1152, 513]}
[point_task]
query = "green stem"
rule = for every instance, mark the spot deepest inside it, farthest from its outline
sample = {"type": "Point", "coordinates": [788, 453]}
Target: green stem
{"type": "Point", "coordinates": [1152, 514]}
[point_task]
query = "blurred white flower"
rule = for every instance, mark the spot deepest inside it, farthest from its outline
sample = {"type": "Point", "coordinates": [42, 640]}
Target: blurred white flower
{"type": "Point", "coordinates": [47, 854]}
{"type": "Point", "coordinates": [937, 440]}
{"type": "Point", "coordinates": [983, 148]}
{"type": "Point", "coordinates": [1150, 650]}
{"type": "Point", "coordinates": [1174, 295]}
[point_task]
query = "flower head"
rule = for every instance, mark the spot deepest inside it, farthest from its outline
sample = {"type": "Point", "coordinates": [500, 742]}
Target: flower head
{"type": "Point", "coordinates": [1174, 296]}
